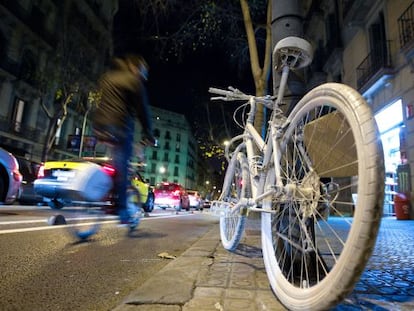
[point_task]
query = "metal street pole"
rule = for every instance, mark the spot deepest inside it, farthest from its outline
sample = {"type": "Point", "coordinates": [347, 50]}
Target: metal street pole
{"type": "Point", "coordinates": [287, 20]}
{"type": "Point", "coordinates": [83, 130]}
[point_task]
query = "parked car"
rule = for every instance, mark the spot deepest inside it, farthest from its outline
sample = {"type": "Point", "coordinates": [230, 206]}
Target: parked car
{"type": "Point", "coordinates": [195, 199]}
{"type": "Point", "coordinates": [206, 203]}
{"type": "Point", "coordinates": [29, 170]}
{"type": "Point", "coordinates": [73, 180]}
{"type": "Point", "coordinates": [171, 195]}
{"type": "Point", "coordinates": [10, 177]}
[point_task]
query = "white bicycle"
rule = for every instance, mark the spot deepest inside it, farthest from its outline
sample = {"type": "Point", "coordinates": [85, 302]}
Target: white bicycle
{"type": "Point", "coordinates": [317, 179]}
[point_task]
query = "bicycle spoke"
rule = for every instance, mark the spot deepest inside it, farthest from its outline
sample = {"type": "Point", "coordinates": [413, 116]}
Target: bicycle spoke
{"type": "Point", "coordinates": [316, 228]}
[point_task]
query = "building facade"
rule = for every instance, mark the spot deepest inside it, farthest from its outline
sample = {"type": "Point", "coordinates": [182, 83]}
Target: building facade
{"type": "Point", "coordinates": [369, 45]}
{"type": "Point", "coordinates": [46, 48]}
{"type": "Point", "coordinates": [50, 51]}
{"type": "Point", "coordinates": [174, 159]}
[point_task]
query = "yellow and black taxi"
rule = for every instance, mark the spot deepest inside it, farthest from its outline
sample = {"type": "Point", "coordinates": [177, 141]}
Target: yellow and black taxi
{"type": "Point", "coordinates": [87, 179]}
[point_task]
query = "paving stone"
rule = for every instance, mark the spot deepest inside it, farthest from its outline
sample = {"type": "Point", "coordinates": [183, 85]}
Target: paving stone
{"type": "Point", "coordinates": [223, 281]}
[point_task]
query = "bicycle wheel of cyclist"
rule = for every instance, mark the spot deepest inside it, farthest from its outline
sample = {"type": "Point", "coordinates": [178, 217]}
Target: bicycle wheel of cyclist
{"type": "Point", "coordinates": [85, 220]}
{"type": "Point", "coordinates": [322, 231]}
{"type": "Point", "coordinates": [233, 215]}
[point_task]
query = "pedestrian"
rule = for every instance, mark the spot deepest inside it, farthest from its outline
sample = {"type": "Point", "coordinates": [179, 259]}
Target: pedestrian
{"type": "Point", "coordinates": [123, 100]}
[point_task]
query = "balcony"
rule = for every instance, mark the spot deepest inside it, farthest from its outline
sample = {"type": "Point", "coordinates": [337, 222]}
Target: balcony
{"type": "Point", "coordinates": [406, 31]}
{"type": "Point", "coordinates": [21, 131]}
{"type": "Point", "coordinates": [375, 70]}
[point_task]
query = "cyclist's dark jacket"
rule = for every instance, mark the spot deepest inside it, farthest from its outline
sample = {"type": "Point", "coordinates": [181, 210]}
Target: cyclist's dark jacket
{"type": "Point", "coordinates": [123, 96]}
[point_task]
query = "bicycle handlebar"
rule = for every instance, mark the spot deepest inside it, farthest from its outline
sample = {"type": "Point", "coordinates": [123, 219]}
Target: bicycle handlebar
{"type": "Point", "coordinates": [234, 94]}
{"type": "Point", "coordinates": [231, 94]}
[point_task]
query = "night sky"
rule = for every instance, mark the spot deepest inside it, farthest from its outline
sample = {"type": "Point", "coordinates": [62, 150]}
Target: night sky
{"type": "Point", "coordinates": [181, 86]}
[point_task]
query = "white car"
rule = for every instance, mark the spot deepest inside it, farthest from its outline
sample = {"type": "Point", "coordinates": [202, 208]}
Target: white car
{"type": "Point", "coordinates": [195, 199]}
{"type": "Point", "coordinates": [10, 177]}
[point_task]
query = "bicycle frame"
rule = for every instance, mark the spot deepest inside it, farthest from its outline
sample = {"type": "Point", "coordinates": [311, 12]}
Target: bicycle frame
{"type": "Point", "coordinates": [303, 176]}
{"type": "Point", "coordinates": [269, 150]}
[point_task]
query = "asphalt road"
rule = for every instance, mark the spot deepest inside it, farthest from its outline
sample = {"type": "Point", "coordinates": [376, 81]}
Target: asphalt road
{"type": "Point", "coordinates": [43, 267]}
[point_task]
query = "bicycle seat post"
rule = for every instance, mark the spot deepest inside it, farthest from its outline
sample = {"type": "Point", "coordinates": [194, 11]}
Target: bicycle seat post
{"type": "Point", "coordinates": [290, 53]}
{"type": "Point", "coordinates": [282, 84]}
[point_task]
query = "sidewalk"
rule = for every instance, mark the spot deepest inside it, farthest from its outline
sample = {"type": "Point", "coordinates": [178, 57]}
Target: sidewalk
{"type": "Point", "coordinates": [207, 278]}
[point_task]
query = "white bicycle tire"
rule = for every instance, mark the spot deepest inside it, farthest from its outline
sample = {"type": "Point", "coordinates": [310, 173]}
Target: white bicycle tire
{"type": "Point", "coordinates": [233, 219]}
{"type": "Point", "coordinates": [359, 244]}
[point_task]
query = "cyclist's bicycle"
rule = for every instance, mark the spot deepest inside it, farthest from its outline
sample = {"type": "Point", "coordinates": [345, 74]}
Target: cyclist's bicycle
{"type": "Point", "coordinates": [134, 206]}
{"type": "Point", "coordinates": [317, 179]}
{"type": "Point", "coordinates": [88, 219]}
{"type": "Point", "coordinates": [86, 187]}
{"type": "Point", "coordinates": [92, 201]}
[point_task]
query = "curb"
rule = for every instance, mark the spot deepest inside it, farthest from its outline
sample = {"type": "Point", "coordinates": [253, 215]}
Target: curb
{"type": "Point", "coordinates": [174, 285]}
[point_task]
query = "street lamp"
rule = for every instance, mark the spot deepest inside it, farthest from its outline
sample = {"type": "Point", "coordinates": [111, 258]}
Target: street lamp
{"type": "Point", "coordinates": [163, 171]}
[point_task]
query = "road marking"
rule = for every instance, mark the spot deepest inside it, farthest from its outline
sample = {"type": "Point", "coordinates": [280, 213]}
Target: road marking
{"type": "Point", "coordinates": [50, 227]}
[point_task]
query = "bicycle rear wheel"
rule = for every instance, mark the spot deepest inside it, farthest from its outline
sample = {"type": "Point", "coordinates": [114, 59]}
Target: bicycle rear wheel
{"type": "Point", "coordinates": [85, 221]}
{"type": "Point", "coordinates": [233, 215]}
{"type": "Point", "coordinates": [321, 232]}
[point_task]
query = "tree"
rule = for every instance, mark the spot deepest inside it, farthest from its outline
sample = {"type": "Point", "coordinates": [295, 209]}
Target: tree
{"type": "Point", "coordinates": [172, 31]}
{"type": "Point", "coordinates": [68, 76]}
{"type": "Point", "coordinates": [260, 73]}
{"type": "Point", "coordinates": [238, 29]}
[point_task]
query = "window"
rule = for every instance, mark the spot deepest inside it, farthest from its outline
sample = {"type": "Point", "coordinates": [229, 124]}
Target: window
{"type": "Point", "coordinates": [167, 145]}
{"type": "Point", "coordinates": [378, 43]}
{"type": "Point", "coordinates": [166, 157]}
{"type": "Point", "coordinates": [154, 155]}
{"type": "Point", "coordinates": [177, 159]}
{"type": "Point", "coordinates": [178, 138]}
{"type": "Point", "coordinates": [28, 67]}
{"type": "Point", "coordinates": [58, 131]}
{"type": "Point", "coordinates": [153, 168]}
{"type": "Point", "coordinates": [384, 122]}
{"type": "Point", "coordinates": [176, 171]}
{"type": "Point", "coordinates": [18, 115]}
{"type": "Point", "coordinates": [168, 135]}
{"type": "Point", "coordinates": [389, 129]}
{"type": "Point", "coordinates": [156, 133]}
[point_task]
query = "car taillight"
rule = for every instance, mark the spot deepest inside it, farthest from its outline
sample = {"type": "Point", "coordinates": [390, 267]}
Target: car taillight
{"type": "Point", "coordinates": [110, 170]}
{"type": "Point", "coordinates": [17, 176]}
{"type": "Point", "coordinates": [41, 171]}
{"type": "Point", "coordinates": [176, 193]}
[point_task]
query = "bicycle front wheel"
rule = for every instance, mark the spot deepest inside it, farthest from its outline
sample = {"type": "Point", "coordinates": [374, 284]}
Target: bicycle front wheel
{"type": "Point", "coordinates": [320, 232]}
{"type": "Point", "coordinates": [86, 221]}
{"type": "Point", "coordinates": [233, 215]}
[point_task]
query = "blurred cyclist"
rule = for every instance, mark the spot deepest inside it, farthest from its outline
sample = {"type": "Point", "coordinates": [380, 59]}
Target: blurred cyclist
{"type": "Point", "coordinates": [123, 100]}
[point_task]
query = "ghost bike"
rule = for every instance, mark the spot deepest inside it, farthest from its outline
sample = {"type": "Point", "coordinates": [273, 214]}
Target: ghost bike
{"type": "Point", "coordinates": [317, 179]}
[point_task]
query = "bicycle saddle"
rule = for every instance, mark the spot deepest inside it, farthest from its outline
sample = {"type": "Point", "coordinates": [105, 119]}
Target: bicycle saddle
{"type": "Point", "coordinates": [294, 52]}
